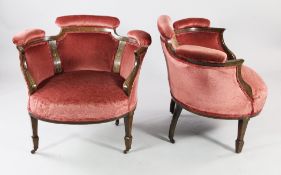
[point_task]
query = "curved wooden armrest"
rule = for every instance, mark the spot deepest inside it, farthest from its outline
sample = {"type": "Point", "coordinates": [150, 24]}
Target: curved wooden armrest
{"type": "Point", "coordinates": [129, 82]}
{"type": "Point", "coordinates": [244, 85]}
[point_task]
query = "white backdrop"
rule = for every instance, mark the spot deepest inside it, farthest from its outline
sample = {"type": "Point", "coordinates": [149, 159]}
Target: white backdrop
{"type": "Point", "coordinates": [203, 145]}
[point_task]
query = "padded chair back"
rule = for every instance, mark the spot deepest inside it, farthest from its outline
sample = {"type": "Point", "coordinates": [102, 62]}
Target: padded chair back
{"type": "Point", "coordinates": [88, 44]}
{"type": "Point", "coordinates": [202, 36]}
{"type": "Point", "coordinates": [85, 42]}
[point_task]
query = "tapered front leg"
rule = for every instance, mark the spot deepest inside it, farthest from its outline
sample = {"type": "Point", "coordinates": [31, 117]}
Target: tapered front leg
{"type": "Point", "coordinates": [35, 138]}
{"type": "Point", "coordinates": [128, 121]}
{"type": "Point", "coordinates": [174, 121]}
{"type": "Point", "coordinates": [172, 106]}
{"type": "Point", "coordinates": [117, 122]}
{"type": "Point", "coordinates": [242, 126]}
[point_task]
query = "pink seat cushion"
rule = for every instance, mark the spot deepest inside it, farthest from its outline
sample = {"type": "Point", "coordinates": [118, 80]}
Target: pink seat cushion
{"type": "Point", "coordinates": [201, 53]}
{"type": "Point", "coordinates": [80, 96]}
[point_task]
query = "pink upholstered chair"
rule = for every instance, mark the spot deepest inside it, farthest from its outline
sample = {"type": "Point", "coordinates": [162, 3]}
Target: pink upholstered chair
{"type": "Point", "coordinates": [86, 74]}
{"type": "Point", "coordinates": [206, 78]}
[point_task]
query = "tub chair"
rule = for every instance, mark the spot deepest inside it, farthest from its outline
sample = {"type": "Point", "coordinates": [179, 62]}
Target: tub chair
{"type": "Point", "coordinates": [205, 77]}
{"type": "Point", "coordinates": [84, 75]}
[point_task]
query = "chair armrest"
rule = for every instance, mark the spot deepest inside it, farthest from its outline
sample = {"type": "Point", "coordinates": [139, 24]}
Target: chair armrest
{"type": "Point", "coordinates": [36, 59]}
{"type": "Point", "coordinates": [28, 35]}
{"type": "Point", "coordinates": [20, 40]}
{"type": "Point", "coordinates": [201, 53]}
{"type": "Point", "coordinates": [129, 81]}
{"type": "Point", "coordinates": [143, 38]}
{"type": "Point", "coordinates": [165, 28]}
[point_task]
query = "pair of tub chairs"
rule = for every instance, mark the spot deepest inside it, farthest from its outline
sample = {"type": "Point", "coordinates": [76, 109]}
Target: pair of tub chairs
{"type": "Point", "coordinates": [89, 74]}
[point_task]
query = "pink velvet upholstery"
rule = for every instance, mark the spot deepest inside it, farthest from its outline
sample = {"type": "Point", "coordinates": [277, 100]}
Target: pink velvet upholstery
{"type": "Point", "coordinates": [88, 20]}
{"type": "Point", "coordinates": [207, 90]}
{"type": "Point", "coordinates": [80, 96]}
{"type": "Point", "coordinates": [28, 35]}
{"type": "Point", "coordinates": [87, 51]}
{"type": "Point", "coordinates": [214, 91]}
{"type": "Point", "coordinates": [209, 39]}
{"type": "Point", "coordinates": [191, 22]}
{"type": "Point", "coordinates": [86, 90]}
{"type": "Point", "coordinates": [165, 27]}
{"type": "Point", "coordinates": [201, 53]}
{"type": "Point", "coordinates": [205, 39]}
{"type": "Point", "coordinates": [143, 38]}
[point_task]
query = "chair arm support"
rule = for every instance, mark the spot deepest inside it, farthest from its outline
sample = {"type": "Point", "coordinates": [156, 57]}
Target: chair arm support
{"type": "Point", "coordinates": [22, 41]}
{"type": "Point", "coordinates": [243, 84]}
{"type": "Point", "coordinates": [27, 76]}
{"type": "Point", "coordinates": [129, 81]}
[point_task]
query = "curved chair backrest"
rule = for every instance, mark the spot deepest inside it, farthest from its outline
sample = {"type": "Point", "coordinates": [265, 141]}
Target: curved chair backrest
{"type": "Point", "coordinates": [86, 42]}
{"type": "Point", "coordinates": [197, 82]}
{"type": "Point", "coordinates": [195, 31]}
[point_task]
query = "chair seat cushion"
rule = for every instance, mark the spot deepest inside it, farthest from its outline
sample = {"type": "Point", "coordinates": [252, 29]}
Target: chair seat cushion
{"type": "Point", "coordinates": [80, 97]}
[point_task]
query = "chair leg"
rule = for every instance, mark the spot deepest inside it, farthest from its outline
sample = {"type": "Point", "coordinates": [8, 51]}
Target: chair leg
{"type": "Point", "coordinates": [172, 106]}
{"type": "Point", "coordinates": [117, 122]}
{"type": "Point", "coordinates": [35, 138]}
{"type": "Point", "coordinates": [128, 121]}
{"type": "Point", "coordinates": [242, 126]}
{"type": "Point", "coordinates": [174, 121]}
